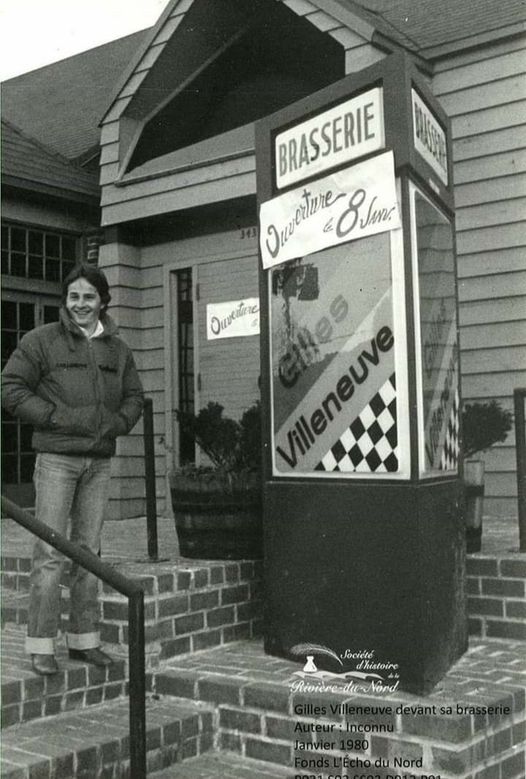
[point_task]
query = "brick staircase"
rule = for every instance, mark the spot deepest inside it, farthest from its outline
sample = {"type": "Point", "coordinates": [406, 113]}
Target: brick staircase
{"type": "Point", "coordinates": [76, 723]}
{"type": "Point", "coordinates": [217, 706]}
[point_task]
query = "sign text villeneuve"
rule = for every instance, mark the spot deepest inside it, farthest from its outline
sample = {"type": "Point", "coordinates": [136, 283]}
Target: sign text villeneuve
{"type": "Point", "coordinates": [343, 206]}
{"type": "Point", "coordinates": [429, 137]}
{"type": "Point", "coordinates": [343, 133]}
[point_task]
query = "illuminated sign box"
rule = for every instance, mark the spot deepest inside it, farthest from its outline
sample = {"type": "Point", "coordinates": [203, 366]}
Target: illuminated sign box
{"type": "Point", "coordinates": [360, 376]}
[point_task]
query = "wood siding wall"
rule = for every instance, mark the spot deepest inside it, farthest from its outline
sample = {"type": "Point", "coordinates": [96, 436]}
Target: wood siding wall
{"type": "Point", "coordinates": [484, 93]}
{"type": "Point", "coordinates": [138, 307]}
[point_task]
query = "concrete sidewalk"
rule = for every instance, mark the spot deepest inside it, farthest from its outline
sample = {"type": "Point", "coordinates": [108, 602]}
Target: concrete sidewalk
{"type": "Point", "coordinates": [127, 539]}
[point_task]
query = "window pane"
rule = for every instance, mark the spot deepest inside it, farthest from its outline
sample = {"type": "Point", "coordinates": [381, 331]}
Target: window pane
{"type": "Point", "coordinates": [51, 314]}
{"type": "Point", "coordinates": [36, 267]}
{"type": "Point", "coordinates": [18, 240]}
{"type": "Point", "coordinates": [36, 242]}
{"type": "Point", "coordinates": [24, 251]}
{"type": "Point", "coordinates": [311, 357]}
{"type": "Point", "coordinates": [18, 264]}
{"type": "Point", "coordinates": [26, 433]}
{"type": "Point", "coordinates": [9, 469]}
{"type": "Point", "coordinates": [27, 466]}
{"type": "Point", "coordinates": [27, 316]}
{"type": "Point", "coordinates": [67, 267]}
{"type": "Point", "coordinates": [52, 270]}
{"type": "Point", "coordinates": [438, 327]}
{"type": "Point", "coordinates": [52, 246]}
{"type": "Point", "coordinates": [8, 344]}
{"type": "Point", "coordinates": [8, 315]}
{"type": "Point", "coordinates": [68, 248]}
{"type": "Point", "coordinates": [9, 436]}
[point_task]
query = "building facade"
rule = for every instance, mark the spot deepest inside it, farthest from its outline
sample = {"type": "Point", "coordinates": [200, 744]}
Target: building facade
{"type": "Point", "coordinates": [178, 191]}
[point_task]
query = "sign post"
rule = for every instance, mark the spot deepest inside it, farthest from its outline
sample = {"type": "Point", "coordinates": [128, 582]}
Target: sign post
{"type": "Point", "coordinates": [360, 368]}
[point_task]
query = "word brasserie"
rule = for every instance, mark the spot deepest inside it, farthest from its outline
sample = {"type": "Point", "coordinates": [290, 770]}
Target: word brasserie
{"type": "Point", "coordinates": [343, 133]}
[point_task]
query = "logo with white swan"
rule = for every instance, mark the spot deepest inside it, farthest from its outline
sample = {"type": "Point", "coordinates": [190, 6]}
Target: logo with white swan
{"type": "Point", "coordinates": [370, 675]}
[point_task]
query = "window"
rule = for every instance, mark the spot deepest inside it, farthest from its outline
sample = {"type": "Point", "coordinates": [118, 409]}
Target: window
{"type": "Point", "coordinates": [337, 361]}
{"type": "Point", "coordinates": [30, 253]}
{"type": "Point", "coordinates": [438, 375]}
{"type": "Point", "coordinates": [18, 317]}
{"type": "Point", "coordinates": [185, 357]}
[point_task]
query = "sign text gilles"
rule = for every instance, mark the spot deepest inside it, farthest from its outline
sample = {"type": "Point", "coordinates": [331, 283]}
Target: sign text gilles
{"type": "Point", "coordinates": [342, 133]}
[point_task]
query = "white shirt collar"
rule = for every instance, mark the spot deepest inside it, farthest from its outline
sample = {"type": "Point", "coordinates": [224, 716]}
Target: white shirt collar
{"type": "Point", "coordinates": [99, 329]}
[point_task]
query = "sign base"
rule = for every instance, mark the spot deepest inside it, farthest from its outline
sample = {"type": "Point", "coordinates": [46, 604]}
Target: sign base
{"type": "Point", "coordinates": [374, 575]}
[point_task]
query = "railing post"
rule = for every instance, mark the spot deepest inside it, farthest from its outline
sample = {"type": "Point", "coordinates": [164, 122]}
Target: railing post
{"type": "Point", "coordinates": [135, 595]}
{"type": "Point", "coordinates": [149, 471]}
{"type": "Point", "coordinates": [137, 691]}
{"type": "Point", "coordinates": [519, 396]}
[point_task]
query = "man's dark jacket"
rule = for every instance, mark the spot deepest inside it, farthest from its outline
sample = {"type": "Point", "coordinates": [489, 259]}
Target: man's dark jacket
{"type": "Point", "coordinates": [78, 393]}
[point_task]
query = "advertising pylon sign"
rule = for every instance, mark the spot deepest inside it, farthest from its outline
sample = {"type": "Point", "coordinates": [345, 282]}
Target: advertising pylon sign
{"type": "Point", "coordinates": [360, 369]}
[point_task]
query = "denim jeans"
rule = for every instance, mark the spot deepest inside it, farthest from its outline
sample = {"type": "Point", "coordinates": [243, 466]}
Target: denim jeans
{"type": "Point", "coordinates": [67, 487]}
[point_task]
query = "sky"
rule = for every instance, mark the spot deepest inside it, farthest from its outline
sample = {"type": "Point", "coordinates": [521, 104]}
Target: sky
{"type": "Point", "coordinates": [34, 33]}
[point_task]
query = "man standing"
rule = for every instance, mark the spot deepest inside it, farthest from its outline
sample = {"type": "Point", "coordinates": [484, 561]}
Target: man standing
{"type": "Point", "coordinates": [76, 382]}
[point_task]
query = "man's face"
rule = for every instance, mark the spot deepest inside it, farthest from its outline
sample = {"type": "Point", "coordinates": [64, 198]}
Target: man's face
{"type": "Point", "coordinates": [83, 304]}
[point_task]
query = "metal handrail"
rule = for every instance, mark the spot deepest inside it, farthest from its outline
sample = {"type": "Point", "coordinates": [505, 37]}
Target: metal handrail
{"type": "Point", "coordinates": [135, 594]}
{"type": "Point", "coordinates": [149, 473]}
{"type": "Point", "coordinates": [519, 396]}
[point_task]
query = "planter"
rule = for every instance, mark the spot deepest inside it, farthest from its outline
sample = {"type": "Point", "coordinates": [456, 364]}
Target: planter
{"type": "Point", "coordinates": [216, 520]}
{"type": "Point", "coordinates": [474, 492]}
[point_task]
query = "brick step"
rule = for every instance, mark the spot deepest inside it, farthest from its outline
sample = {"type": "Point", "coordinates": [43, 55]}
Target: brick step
{"type": "Point", "coordinates": [189, 606]}
{"type": "Point", "coordinates": [27, 696]}
{"type": "Point", "coordinates": [496, 589]}
{"type": "Point", "coordinates": [224, 765]}
{"type": "Point", "coordinates": [264, 712]}
{"type": "Point", "coordinates": [94, 743]}
{"type": "Point", "coordinates": [194, 605]}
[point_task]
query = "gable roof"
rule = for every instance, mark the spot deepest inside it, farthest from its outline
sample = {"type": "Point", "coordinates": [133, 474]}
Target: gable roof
{"type": "Point", "coordinates": [427, 28]}
{"type": "Point", "coordinates": [61, 104]}
{"type": "Point", "coordinates": [27, 164]}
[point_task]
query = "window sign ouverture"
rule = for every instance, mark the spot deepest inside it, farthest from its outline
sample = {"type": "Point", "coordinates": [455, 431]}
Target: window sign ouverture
{"type": "Point", "coordinates": [337, 324]}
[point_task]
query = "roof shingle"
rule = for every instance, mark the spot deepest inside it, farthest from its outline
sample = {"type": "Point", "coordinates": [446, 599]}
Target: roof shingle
{"type": "Point", "coordinates": [26, 160]}
{"type": "Point", "coordinates": [61, 104]}
{"type": "Point", "coordinates": [429, 23]}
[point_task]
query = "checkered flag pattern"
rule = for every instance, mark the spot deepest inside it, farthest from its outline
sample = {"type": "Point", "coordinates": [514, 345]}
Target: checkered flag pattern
{"type": "Point", "coordinates": [370, 442]}
{"type": "Point", "coordinates": [449, 458]}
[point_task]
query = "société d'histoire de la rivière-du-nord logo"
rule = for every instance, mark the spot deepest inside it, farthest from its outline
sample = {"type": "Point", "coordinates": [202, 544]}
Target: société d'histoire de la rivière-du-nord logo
{"type": "Point", "coordinates": [369, 676]}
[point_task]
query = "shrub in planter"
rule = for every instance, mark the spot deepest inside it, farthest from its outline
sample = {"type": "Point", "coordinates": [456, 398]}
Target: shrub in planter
{"type": "Point", "coordinates": [217, 508]}
{"type": "Point", "coordinates": [483, 424]}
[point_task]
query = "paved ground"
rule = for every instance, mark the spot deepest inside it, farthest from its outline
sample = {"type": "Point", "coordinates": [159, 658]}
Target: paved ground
{"type": "Point", "coordinates": [124, 540]}
{"type": "Point", "coordinates": [127, 539]}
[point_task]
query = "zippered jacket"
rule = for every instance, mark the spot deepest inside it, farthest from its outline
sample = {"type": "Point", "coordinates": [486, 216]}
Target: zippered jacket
{"type": "Point", "coordinates": [78, 393]}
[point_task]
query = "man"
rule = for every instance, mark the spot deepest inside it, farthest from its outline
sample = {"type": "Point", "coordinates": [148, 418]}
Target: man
{"type": "Point", "coordinates": [76, 382]}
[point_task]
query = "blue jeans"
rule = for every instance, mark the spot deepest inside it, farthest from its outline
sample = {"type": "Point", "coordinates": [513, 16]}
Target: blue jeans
{"type": "Point", "coordinates": [76, 487]}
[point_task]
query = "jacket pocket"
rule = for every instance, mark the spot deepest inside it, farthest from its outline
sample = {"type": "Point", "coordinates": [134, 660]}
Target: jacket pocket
{"type": "Point", "coordinates": [79, 421]}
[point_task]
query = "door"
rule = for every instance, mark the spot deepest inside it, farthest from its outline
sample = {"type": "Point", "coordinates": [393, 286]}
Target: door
{"type": "Point", "coordinates": [21, 312]}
